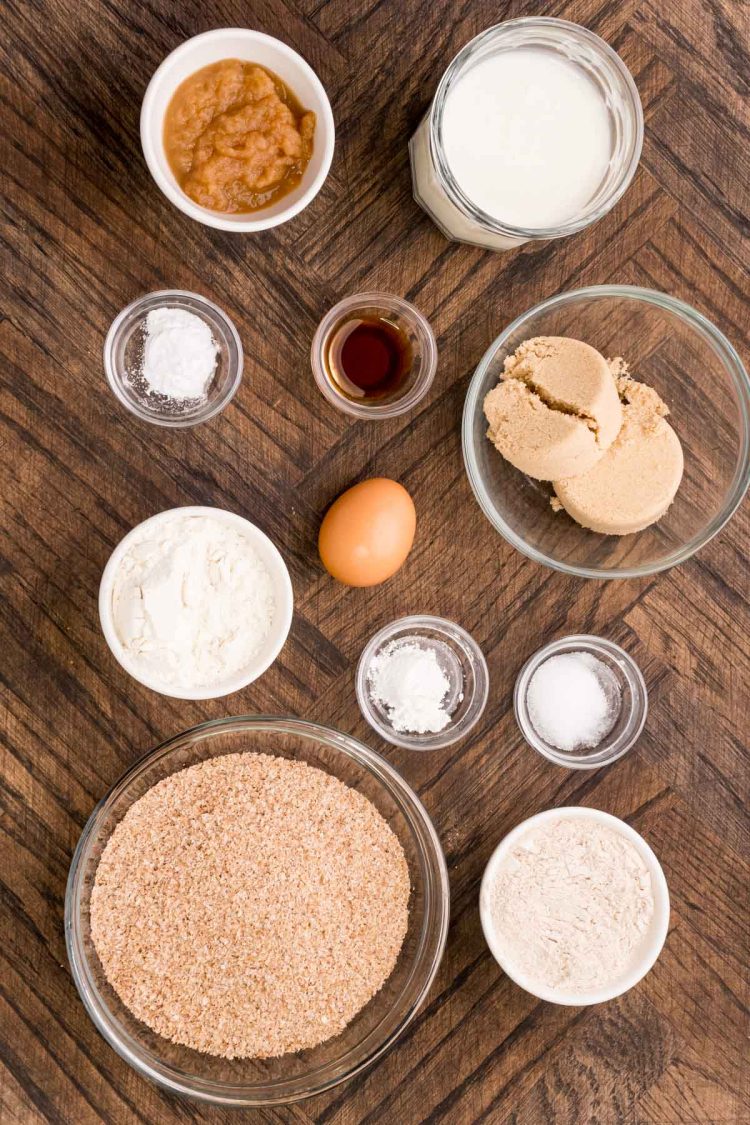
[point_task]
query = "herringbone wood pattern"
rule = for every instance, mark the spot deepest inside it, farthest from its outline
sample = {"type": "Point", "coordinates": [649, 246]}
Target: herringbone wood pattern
{"type": "Point", "coordinates": [85, 232]}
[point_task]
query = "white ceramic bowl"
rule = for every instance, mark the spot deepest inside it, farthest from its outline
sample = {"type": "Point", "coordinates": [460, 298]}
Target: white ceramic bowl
{"type": "Point", "coordinates": [273, 643]}
{"type": "Point", "coordinates": [650, 947]}
{"type": "Point", "coordinates": [251, 46]}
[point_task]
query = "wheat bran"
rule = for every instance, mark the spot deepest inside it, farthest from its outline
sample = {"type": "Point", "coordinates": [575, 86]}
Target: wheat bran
{"type": "Point", "coordinates": [250, 906]}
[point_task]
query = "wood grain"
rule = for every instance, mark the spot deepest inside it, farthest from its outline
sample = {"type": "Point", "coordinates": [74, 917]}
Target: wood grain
{"type": "Point", "coordinates": [85, 231]}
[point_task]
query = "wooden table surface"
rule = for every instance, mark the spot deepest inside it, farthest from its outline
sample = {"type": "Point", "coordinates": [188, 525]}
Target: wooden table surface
{"type": "Point", "coordinates": [86, 232]}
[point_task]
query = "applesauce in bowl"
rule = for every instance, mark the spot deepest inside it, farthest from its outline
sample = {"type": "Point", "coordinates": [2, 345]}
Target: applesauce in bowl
{"type": "Point", "coordinates": [279, 61]}
{"type": "Point", "coordinates": [236, 137]}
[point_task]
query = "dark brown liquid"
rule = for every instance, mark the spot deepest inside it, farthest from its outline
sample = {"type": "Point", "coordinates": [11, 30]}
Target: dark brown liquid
{"type": "Point", "coordinates": [369, 358]}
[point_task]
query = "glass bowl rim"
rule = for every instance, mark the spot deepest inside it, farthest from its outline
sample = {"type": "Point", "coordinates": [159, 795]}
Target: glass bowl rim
{"type": "Point", "coordinates": [159, 298]}
{"type": "Point", "coordinates": [455, 193]}
{"type": "Point", "coordinates": [445, 627]}
{"type": "Point", "coordinates": [422, 327]}
{"type": "Point", "coordinates": [603, 648]}
{"type": "Point", "coordinates": [436, 890]}
{"type": "Point", "coordinates": [734, 369]}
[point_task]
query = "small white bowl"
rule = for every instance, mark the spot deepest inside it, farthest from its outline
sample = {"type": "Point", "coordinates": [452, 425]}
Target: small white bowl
{"type": "Point", "coordinates": [291, 68]}
{"type": "Point", "coordinates": [274, 642]}
{"type": "Point", "coordinates": [650, 948]}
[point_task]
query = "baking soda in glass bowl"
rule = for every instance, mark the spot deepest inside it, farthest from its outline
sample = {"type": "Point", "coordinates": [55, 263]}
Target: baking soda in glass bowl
{"type": "Point", "coordinates": [173, 358]}
{"type": "Point", "coordinates": [422, 682]}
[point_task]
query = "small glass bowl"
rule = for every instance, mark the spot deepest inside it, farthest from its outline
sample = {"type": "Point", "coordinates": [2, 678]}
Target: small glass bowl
{"type": "Point", "coordinates": [458, 655]}
{"type": "Point", "coordinates": [273, 1081]}
{"type": "Point", "coordinates": [700, 377]}
{"type": "Point", "coordinates": [404, 316]}
{"type": "Point", "coordinates": [435, 187]}
{"type": "Point", "coordinates": [633, 710]}
{"type": "Point", "coordinates": [123, 354]}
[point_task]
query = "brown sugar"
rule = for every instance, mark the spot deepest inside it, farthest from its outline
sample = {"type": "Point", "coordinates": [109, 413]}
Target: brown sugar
{"type": "Point", "coordinates": [250, 905]}
{"type": "Point", "coordinates": [555, 410]}
{"type": "Point", "coordinates": [635, 482]}
{"type": "Point", "coordinates": [236, 137]}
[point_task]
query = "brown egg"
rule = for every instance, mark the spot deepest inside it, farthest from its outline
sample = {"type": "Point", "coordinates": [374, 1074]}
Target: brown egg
{"type": "Point", "coordinates": [367, 533]}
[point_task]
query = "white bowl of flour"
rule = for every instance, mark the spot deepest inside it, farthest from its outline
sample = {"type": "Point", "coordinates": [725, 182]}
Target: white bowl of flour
{"type": "Point", "coordinates": [196, 602]}
{"type": "Point", "coordinates": [574, 906]}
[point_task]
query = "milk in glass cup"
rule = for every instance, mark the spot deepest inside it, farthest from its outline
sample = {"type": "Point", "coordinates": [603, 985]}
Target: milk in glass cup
{"type": "Point", "coordinates": [535, 132]}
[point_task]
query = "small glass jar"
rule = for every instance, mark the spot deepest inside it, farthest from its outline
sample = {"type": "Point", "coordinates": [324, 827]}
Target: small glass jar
{"type": "Point", "coordinates": [435, 188]}
{"type": "Point", "coordinates": [631, 717]}
{"type": "Point", "coordinates": [404, 317]}
{"type": "Point", "coordinates": [460, 659]}
{"type": "Point", "coordinates": [123, 360]}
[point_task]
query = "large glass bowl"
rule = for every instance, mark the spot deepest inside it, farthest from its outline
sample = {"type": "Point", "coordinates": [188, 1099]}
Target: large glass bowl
{"type": "Point", "coordinates": [255, 1082]}
{"type": "Point", "coordinates": [695, 369]}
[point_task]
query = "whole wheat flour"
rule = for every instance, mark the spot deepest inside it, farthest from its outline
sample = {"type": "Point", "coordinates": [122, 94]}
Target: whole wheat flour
{"type": "Point", "coordinates": [572, 904]}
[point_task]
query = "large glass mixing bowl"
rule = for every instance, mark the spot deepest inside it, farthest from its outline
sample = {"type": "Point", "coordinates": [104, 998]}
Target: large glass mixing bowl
{"type": "Point", "coordinates": [697, 372]}
{"type": "Point", "coordinates": [255, 1082]}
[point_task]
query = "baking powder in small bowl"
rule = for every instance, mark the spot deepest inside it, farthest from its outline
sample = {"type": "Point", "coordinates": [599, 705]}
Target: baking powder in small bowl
{"type": "Point", "coordinates": [574, 906]}
{"type": "Point", "coordinates": [195, 602]}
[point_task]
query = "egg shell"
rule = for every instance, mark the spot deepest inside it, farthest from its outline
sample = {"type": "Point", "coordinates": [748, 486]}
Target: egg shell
{"type": "Point", "coordinates": [368, 532]}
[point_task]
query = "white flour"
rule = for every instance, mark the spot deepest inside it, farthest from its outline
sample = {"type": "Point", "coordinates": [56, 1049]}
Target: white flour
{"type": "Point", "coordinates": [192, 601]}
{"type": "Point", "coordinates": [571, 904]}
{"type": "Point", "coordinates": [179, 354]}
{"type": "Point", "coordinates": [406, 679]}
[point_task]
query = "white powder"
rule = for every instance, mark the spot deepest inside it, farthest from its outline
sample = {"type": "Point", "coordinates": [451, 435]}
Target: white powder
{"type": "Point", "coordinates": [179, 354]}
{"type": "Point", "coordinates": [573, 700]}
{"type": "Point", "coordinates": [406, 679]}
{"type": "Point", "coordinates": [192, 601]}
{"type": "Point", "coordinates": [571, 905]}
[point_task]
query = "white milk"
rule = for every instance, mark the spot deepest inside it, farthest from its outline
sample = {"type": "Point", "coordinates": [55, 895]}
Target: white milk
{"type": "Point", "coordinates": [527, 137]}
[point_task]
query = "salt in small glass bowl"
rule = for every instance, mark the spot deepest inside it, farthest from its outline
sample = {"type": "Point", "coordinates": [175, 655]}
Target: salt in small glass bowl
{"type": "Point", "coordinates": [417, 329]}
{"type": "Point", "coordinates": [123, 356]}
{"type": "Point", "coordinates": [460, 658]}
{"type": "Point", "coordinates": [633, 709]}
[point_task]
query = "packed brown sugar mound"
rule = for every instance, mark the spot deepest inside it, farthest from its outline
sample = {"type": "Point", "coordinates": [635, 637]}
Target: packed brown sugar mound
{"type": "Point", "coordinates": [555, 411]}
{"type": "Point", "coordinates": [250, 906]}
{"type": "Point", "coordinates": [635, 482]}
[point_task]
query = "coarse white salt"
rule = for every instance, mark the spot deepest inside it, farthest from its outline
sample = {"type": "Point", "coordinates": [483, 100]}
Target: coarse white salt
{"type": "Point", "coordinates": [573, 701]}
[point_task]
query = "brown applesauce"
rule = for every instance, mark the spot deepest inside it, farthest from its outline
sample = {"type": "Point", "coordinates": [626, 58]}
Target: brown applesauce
{"type": "Point", "coordinates": [236, 137]}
